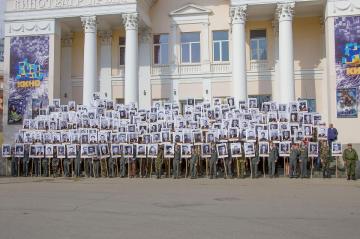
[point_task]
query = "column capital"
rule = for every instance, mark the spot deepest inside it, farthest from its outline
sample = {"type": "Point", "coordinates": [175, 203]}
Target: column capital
{"type": "Point", "coordinates": [105, 37]}
{"type": "Point", "coordinates": [131, 21]}
{"type": "Point", "coordinates": [285, 11]}
{"type": "Point", "coordinates": [238, 14]}
{"type": "Point", "coordinates": [89, 23]}
{"type": "Point", "coordinates": [67, 39]}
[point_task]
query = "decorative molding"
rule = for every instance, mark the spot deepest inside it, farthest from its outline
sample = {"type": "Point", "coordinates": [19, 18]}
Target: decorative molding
{"type": "Point", "coordinates": [67, 39]}
{"type": "Point", "coordinates": [105, 37]}
{"type": "Point", "coordinates": [342, 7]}
{"type": "Point", "coordinates": [26, 5]}
{"type": "Point", "coordinates": [146, 34]}
{"type": "Point", "coordinates": [285, 11]}
{"type": "Point", "coordinates": [238, 14]}
{"type": "Point", "coordinates": [30, 28]}
{"type": "Point", "coordinates": [131, 21]}
{"type": "Point", "coordinates": [190, 14]}
{"type": "Point", "coordinates": [89, 23]}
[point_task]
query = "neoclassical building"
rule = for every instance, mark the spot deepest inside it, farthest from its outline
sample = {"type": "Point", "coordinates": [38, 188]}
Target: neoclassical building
{"type": "Point", "coordinates": [170, 50]}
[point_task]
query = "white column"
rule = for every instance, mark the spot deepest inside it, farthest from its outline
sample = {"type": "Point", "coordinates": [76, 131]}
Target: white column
{"type": "Point", "coordinates": [205, 44]}
{"type": "Point", "coordinates": [65, 75]}
{"type": "Point", "coordinates": [276, 80]}
{"type": "Point", "coordinates": [90, 58]}
{"type": "Point", "coordinates": [286, 55]}
{"type": "Point", "coordinates": [144, 69]}
{"type": "Point", "coordinates": [131, 58]}
{"type": "Point", "coordinates": [105, 64]}
{"type": "Point", "coordinates": [239, 82]}
{"type": "Point", "coordinates": [174, 60]}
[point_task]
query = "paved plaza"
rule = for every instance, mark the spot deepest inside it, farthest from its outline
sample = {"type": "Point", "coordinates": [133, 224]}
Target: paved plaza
{"type": "Point", "coordinates": [202, 208]}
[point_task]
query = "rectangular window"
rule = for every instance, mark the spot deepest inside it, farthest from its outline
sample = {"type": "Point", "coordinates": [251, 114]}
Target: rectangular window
{"type": "Point", "coordinates": [161, 49]}
{"type": "Point", "coordinates": [220, 46]}
{"type": "Point", "coordinates": [122, 42]}
{"type": "Point", "coordinates": [190, 47]}
{"type": "Point", "coordinates": [258, 45]}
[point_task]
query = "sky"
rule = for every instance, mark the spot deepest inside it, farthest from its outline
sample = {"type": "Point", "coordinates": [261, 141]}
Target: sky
{"type": "Point", "coordinates": [2, 9]}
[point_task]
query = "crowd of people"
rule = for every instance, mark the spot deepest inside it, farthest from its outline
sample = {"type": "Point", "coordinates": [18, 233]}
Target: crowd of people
{"type": "Point", "coordinates": [209, 139]}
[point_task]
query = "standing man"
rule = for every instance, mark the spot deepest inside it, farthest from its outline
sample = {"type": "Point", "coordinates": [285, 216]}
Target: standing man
{"type": "Point", "coordinates": [324, 154]}
{"type": "Point", "coordinates": [176, 161]}
{"type": "Point", "coordinates": [122, 164]}
{"type": "Point", "coordinates": [294, 154]}
{"type": "Point", "coordinates": [273, 158]}
{"type": "Point", "coordinates": [159, 161]}
{"type": "Point", "coordinates": [45, 165]}
{"type": "Point", "coordinates": [111, 166]}
{"type": "Point", "coordinates": [213, 161]}
{"type": "Point", "coordinates": [255, 162]}
{"type": "Point", "coordinates": [55, 163]}
{"type": "Point", "coordinates": [14, 163]}
{"type": "Point", "coordinates": [26, 160]}
{"type": "Point", "coordinates": [332, 134]}
{"type": "Point", "coordinates": [66, 166]}
{"type": "Point", "coordinates": [228, 162]}
{"type": "Point", "coordinates": [78, 161]}
{"type": "Point", "coordinates": [194, 161]}
{"type": "Point", "coordinates": [350, 157]}
{"type": "Point", "coordinates": [303, 158]}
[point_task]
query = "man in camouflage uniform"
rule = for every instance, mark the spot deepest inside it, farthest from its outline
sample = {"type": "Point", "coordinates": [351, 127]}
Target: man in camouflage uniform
{"type": "Point", "coordinates": [350, 157]}
{"type": "Point", "coordinates": [78, 161]}
{"type": "Point", "coordinates": [228, 162]}
{"type": "Point", "coordinates": [325, 158]}
{"type": "Point", "coordinates": [45, 166]}
{"type": "Point", "coordinates": [176, 161]}
{"type": "Point", "coordinates": [194, 161]}
{"type": "Point", "coordinates": [26, 160]}
{"type": "Point", "coordinates": [122, 165]}
{"type": "Point", "coordinates": [112, 166]}
{"type": "Point", "coordinates": [272, 159]}
{"type": "Point", "coordinates": [294, 154]}
{"type": "Point", "coordinates": [255, 162]}
{"type": "Point", "coordinates": [55, 163]}
{"type": "Point", "coordinates": [303, 159]}
{"type": "Point", "coordinates": [66, 162]}
{"type": "Point", "coordinates": [159, 161]}
{"type": "Point", "coordinates": [213, 161]}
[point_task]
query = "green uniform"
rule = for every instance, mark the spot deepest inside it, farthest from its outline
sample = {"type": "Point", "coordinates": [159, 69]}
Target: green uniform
{"type": "Point", "coordinates": [213, 162]}
{"type": "Point", "coordinates": [159, 162]}
{"type": "Point", "coordinates": [325, 159]}
{"type": "Point", "coordinates": [176, 163]}
{"type": "Point", "coordinates": [303, 157]}
{"type": "Point", "coordinates": [228, 163]}
{"type": "Point", "coordinates": [294, 154]}
{"type": "Point", "coordinates": [194, 159]}
{"type": "Point", "coordinates": [350, 156]}
{"type": "Point", "coordinates": [273, 157]}
{"type": "Point", "coordinates": [255, 162]}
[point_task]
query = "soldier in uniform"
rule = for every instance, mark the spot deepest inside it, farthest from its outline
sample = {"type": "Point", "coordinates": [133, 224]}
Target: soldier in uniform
{"type": "Point", "coordinates": [294, 154]}
{"type": "Point", "coordinates": [325, 158]}
{"type": "Point", "coordinates": [255, 162]}
{"type": "Point", "coordinates": [132, 162]}
{"type": "Point", "coordinates": [303, 159]}
{"type": "Point", "coordinates": [350, 157]}
{"type": "Point", "coordinates": [26, 160]}
{"type": "Point", "coordinates": [176, 161]}
{"type": "Point", "coordinates": [242, 163]}
{"type": "Point", "coordinates": [45, 166]}
{"type": "Point", "coordinates": [14, 163]}
{"type": "Point", "coordinates": [228, 162]}
{"type": "Point", "coordinates": [78, 161]}
{"type": "Point", "coordinates": [112, 166]}
{"type": "Point", "coordinates": [66, 162]}
{"type": "Point", "coordinates": [213, 161]}
{"type": "Point", "coordinates": [159, 161]}
{"type": "Point", "coordinates": [122, 165]}
{"type": "Point", "coordinates": [96, 164]}
{"type": "Point", "coordinates": [55, 163]}
{"type": "Point", "coordinates": [194, 161]}
{"type": "Point", "coordinates": [273, 158]}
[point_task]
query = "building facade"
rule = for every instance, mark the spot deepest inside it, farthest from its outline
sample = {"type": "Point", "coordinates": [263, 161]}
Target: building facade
{"type": "Point", "coordinates": [170, 50]}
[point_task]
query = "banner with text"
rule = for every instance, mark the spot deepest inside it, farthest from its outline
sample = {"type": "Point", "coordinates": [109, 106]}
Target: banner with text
{"type": "Point", "coordinates": [347, 56]}
{"type": "Point", "coordinates": [29, 67]}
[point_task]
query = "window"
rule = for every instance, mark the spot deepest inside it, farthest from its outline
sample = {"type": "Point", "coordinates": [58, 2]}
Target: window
{"type": "Point", "coordinates": [1, 49]}
{"type": "Point", "coordinates": [161, 49]}
{"type": "Point", "coordinates": [220, 46]}
{"type": "Point", "coordinates": [122, 42]}
{"type": "Point", "coordinates": [258, 45]}
{"type": "Point", "coordinates": [190, 47]}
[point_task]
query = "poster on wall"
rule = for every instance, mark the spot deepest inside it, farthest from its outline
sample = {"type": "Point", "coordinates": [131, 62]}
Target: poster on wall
{"type": "Point", "coordinates": [28, 81]}
{"type": "Point", "coordinates": [347, 58]}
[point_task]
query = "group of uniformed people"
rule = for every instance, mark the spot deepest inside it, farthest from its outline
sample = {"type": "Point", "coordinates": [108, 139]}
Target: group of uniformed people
{"type": "Point", "coordinates": [297, 165]}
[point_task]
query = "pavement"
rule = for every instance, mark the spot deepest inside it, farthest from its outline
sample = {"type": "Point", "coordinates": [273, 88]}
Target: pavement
{"type": "Point", "coordinates": [149, 208]}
